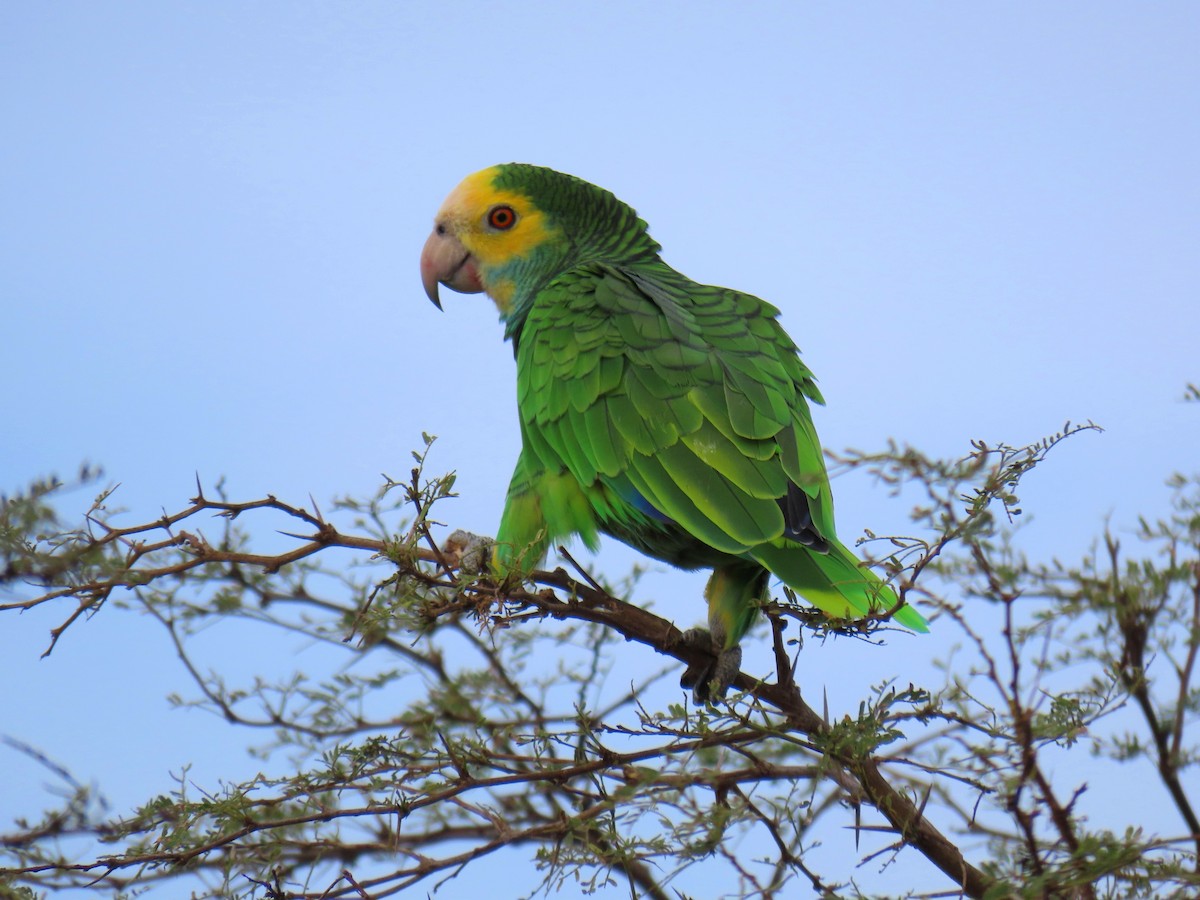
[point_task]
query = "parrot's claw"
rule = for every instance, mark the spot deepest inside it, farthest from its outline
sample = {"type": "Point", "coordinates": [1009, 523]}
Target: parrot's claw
{"type": "Point", "coordinates": [472, 553]}
{"type": "Point", "coordinates": [711, 679]}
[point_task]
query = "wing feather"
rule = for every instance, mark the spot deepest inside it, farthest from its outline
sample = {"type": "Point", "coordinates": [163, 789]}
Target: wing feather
{"type": "Point", "coordinates": [690, 396]}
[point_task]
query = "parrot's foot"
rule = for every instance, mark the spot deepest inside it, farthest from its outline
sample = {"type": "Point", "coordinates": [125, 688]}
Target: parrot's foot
{"type": "Point", "coordinates": [472, 553]}
{"type": "Point", "coordinates": [711, 679]}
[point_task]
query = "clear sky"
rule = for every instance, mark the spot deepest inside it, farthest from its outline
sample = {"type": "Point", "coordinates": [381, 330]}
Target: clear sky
{"type": "Point", "coordinates": [978, 220]}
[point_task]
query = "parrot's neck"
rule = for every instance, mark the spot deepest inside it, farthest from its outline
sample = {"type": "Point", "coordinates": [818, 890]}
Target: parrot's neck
{"type": "Point", "coordinates": [515, 287]}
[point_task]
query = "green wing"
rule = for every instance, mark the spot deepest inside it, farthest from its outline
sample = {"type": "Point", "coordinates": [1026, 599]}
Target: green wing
{"type": "Point", "coordinates": [666, 400]}
{"type": "Point", "coordinates": [691, 396]}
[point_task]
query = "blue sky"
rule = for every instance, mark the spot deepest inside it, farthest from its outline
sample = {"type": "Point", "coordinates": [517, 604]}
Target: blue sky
{"type": "Point", "coordinates": [979, 221]}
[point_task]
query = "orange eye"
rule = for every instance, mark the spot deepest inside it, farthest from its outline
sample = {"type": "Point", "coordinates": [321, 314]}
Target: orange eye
{"type": "Point", "coordinates": [501, 218]}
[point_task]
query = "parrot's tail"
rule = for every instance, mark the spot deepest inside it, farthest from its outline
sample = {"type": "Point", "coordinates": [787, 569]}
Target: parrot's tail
{"type": "Point", "coordinates": [835, 582]}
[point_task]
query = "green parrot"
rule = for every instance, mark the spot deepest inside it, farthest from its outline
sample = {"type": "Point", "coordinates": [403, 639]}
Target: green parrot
{"type": "Point", "coordinates": [669, 414]}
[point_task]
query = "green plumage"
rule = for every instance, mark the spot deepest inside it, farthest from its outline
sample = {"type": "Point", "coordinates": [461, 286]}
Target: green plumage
{"type": "Point", "coordinates": [669, 414]}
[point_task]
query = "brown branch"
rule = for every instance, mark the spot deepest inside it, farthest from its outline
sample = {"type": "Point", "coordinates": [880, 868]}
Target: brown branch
{"type": "Point", "coordinates": [636, 624]}
{"type": "Point", "coordinates": [1134, 625]}
{"type": "Point", "coordinates": [584, 602]}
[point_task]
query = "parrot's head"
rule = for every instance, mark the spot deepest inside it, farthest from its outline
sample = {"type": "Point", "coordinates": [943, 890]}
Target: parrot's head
{"type": "Point", "coordinates": [510, 229]}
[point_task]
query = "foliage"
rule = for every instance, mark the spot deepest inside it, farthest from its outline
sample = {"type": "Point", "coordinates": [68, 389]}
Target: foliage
{"type": "Point", "coordinates": [510, 733]}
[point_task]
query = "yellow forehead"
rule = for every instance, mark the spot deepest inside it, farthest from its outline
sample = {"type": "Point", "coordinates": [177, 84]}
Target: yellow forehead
{"type": "Point", "coordinates": [474, 194]}
{"type": "Point", "coordinates": [466, 211]}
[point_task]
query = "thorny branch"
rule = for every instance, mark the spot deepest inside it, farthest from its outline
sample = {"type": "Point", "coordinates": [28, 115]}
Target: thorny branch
{"type": "Point", "coordinates": [561, 597]}
{"type": "Point", "coordinates": [1135, 618]}
{"type": "Point", "coordinates": [568, 797]}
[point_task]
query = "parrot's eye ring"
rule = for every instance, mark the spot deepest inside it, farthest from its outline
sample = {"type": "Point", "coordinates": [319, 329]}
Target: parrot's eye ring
{"type": "Point", "coordinates": [501, 218]}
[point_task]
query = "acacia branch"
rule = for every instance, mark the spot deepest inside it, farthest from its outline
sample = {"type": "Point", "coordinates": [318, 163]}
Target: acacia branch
{"type": "Point", "coordinates": [579, 601]}
{"type": "Point", "coordinates": [636, 624]}
{"type": "Point", "coordinates": [1134, 622]}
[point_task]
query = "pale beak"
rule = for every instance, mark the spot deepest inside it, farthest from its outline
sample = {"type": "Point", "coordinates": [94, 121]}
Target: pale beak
{"type": "Point", "coordinates": [444, 260]}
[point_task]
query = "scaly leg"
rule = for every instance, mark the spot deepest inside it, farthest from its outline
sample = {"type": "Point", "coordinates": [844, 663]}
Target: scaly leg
{"type": "Point", "coordinates": [734, 594]}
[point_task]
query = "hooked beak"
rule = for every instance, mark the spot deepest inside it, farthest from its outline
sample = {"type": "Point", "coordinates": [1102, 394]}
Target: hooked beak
{"type": "Point", "coordinates": [444, 260]}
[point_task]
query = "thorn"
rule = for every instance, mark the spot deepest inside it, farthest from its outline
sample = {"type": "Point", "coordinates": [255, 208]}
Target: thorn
{"type": "Point", "coordinates": [580, 569]}
{"type": "Point", "coordinates": [924, 800]}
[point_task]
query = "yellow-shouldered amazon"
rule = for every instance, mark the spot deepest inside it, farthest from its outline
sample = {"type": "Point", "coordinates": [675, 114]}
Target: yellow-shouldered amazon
{"type": "Point", "coordinates": [669, 414]}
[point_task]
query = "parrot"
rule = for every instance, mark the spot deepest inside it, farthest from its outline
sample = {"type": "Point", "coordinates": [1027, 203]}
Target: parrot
{"type": "Point", "coordinates": [671, 415]}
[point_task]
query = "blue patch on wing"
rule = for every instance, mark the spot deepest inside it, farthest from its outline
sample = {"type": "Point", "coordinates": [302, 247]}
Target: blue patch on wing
{"type": "Point", "coordinates": [637, 501]}
{"type": "Point", "coordinates": [623, 488]}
